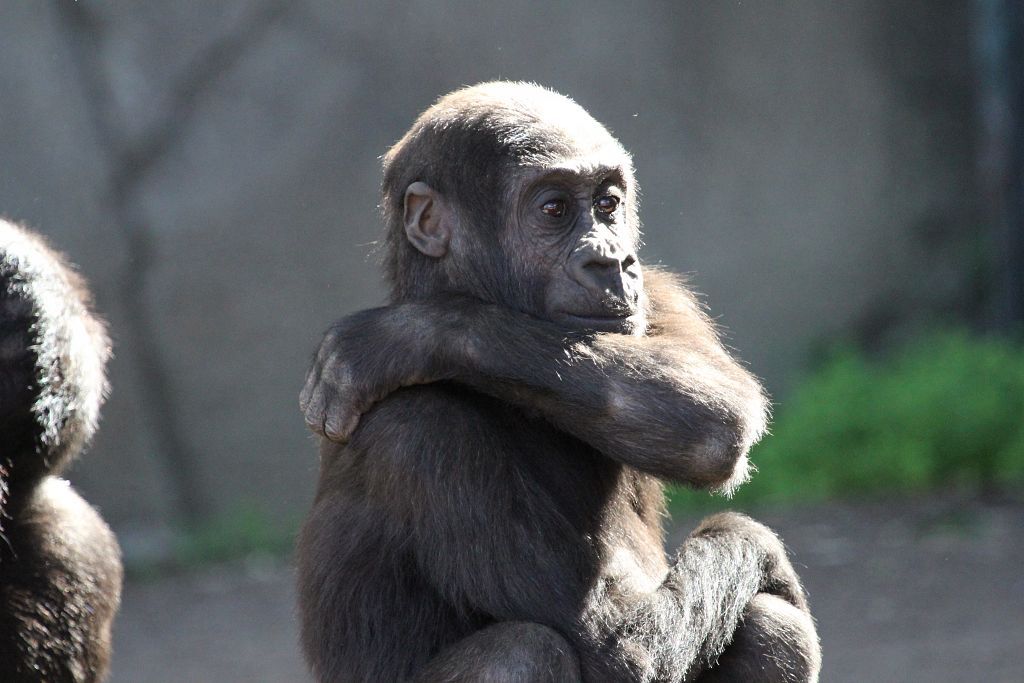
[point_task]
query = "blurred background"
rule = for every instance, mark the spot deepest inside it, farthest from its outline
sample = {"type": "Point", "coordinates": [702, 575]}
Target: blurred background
{"type": "Point", "coordinates": [843, 181]}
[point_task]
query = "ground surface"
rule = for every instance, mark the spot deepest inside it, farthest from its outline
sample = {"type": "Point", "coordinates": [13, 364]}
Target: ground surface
{"type": "Point", "coordinates": [927, 591]}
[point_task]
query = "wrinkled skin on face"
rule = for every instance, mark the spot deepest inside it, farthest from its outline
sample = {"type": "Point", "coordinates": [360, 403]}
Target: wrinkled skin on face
{"type": "Point", "coordinates": [575, 225]}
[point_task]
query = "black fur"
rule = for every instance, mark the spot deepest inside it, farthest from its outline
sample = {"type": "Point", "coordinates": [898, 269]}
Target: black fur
{"type": "Point", "coordinates": [491, 505]}
{"type": "Point", "coordinates": [60, 567]}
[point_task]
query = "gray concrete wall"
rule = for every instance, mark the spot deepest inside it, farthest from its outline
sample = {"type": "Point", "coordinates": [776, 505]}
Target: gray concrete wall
{"type": "Point", "coordinates": [213, 168]}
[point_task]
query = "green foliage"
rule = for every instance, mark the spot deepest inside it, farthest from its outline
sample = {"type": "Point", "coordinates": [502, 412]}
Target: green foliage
{"type": "Point", "coordinates": [947, 411]}
{"type": "Point", "coordinates": [244, 531]}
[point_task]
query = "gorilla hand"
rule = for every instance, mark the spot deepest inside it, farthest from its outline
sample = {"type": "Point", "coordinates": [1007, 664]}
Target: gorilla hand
{"type": "Point", "coordinates": [363, 358]}
{"type": "Point", "coordinates": [779, 577]}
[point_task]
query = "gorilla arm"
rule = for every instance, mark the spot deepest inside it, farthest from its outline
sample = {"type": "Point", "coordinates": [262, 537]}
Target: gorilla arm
{"type": "Point", "coordinates": [672, 403]}
{"type": "Point", "coordinates": [677, 631]}
{"type": "Point", "coordinates": [529, 570]}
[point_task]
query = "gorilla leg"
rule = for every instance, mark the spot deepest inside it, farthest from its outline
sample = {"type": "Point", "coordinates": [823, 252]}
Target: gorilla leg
{"type": "Point", "coordinates": [60, 581]}
{"type": "Point", "coordinates": [512, 652]}
{"type": "Point", "coordinates": [775, 643]}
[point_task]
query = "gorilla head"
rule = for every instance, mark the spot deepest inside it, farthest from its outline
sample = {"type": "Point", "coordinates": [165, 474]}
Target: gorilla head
{"type": "Point", "coordinates": [516, 195]}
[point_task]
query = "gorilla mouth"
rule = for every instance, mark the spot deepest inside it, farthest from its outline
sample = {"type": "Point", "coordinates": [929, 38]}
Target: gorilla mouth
{"type": "Point", "coordinates": [605, 321]}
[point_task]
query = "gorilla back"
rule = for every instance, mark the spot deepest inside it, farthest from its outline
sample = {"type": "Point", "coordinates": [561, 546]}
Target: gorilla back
{"type": "Point", "coordinates": [60, 565]}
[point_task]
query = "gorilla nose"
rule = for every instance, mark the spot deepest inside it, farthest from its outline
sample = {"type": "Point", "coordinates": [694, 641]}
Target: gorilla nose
{"type": "Point", "coordinates": [602, 273]}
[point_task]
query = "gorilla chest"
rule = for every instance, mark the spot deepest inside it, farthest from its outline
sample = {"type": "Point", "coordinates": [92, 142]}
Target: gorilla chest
{"type": "Point", "coordinates": [605, 514]}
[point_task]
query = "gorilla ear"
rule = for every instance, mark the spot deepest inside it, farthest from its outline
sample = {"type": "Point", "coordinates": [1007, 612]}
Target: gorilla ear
{"type": "Point", "coordinates": [428, 220]}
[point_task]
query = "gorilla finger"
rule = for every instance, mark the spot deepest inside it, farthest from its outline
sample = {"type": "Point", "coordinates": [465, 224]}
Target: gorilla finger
{"type": "Point", "coordinates": [784, 583]}
{"type": "Point", "coordinates": [315, 424]}
{"type": "Point", "coordinates": [309, 386]}
{"type": "Point", "coordinates": [792, 592]}
{"type": "Point", "coordinates": [339, 427]}
{"type": "Point", "coordinates": [313, 400]}
{"type": "Point", "coordinates": [315, 413]}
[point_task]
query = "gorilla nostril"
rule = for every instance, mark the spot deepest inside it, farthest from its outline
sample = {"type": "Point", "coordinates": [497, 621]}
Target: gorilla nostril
{"type": "Point", "coordinates": [602, 271]}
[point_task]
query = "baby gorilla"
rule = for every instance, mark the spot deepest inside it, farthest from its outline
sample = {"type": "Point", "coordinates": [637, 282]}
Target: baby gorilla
{"type": "Point", "coordinates": [60, 566]}
{"type": "Point", "coordinates": [490, 499]}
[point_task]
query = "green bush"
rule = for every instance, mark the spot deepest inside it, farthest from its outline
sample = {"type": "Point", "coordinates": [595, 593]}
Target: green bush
{"type": "Point", "coordinates": [245, 530]}
{"type": "Point", "coordinates": [946, 411]}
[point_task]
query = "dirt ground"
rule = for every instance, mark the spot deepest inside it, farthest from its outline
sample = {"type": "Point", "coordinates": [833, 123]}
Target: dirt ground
{"type": "Point", "coordinates": [925, 591]}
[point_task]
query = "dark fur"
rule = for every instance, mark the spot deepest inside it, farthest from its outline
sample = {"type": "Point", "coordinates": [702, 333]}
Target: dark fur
{"type": "Point", "coordinates": [497, 514]}
{"type": "Point", "coordinates": [60, 567]}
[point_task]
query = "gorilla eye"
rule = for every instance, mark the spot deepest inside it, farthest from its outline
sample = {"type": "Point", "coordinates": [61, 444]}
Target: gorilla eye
{"type": "Point", "coordinates": [554, 208]}
{"type": "Point", "coordinates": [606, 204]}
